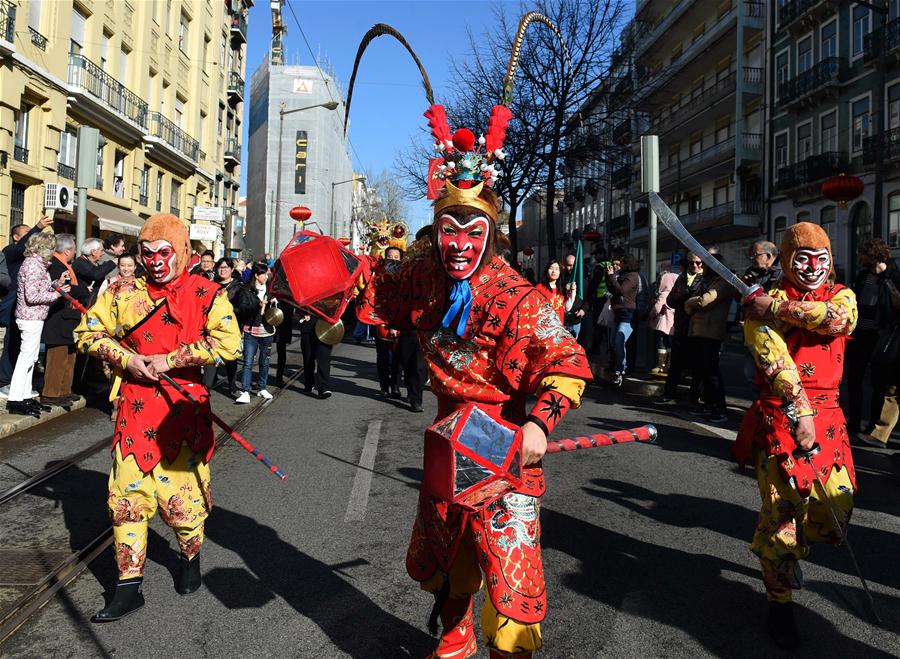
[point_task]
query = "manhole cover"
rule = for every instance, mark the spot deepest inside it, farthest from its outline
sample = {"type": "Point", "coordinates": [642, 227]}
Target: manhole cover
{"type": "Point", "coordinates": [26, 567]}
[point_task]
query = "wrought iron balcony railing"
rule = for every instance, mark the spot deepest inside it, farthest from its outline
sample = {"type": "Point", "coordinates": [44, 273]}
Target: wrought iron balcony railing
{"type": "Point", "coordinates": [83, 73]}
{"type": "Point", "coordinates": [66, 171]}
{"type": "Point", "coordinates": [889, 142]}
{"type": "Point", "coordinates": [791, 10]}
{"type": "Point", "coordinates": [172, 135]}
{"type": "Point", "coordinates": [883, 40]}
{"type": "Point", "coordinates": [233, 149]}
{"type": "Point", "coordinates": [20, 153]}
{"type": "Point", "coordinates": [709, 214]}
{"type": "Point", "coordinates": [621, 176]}
{"type": "Point", "coordinates": [142, 199]}
{"type": "Point", "coordinates": [235, 83]}
{"type": "Point", "coordinates": [38, 39]}
{"type": "Point", "coordinates": [826, 73]}
{"type": "Point", "coordinates": [239, 27]}
{"type": "Point", "coordinates": [809, 170]}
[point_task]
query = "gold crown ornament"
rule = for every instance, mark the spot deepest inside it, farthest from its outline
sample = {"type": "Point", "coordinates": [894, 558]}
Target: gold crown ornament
{"type": "Point", "coordinates": [454, 196]}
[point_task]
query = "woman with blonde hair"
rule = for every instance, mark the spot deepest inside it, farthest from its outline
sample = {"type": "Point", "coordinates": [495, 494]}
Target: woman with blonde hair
{"type": "Point", "coordinates": [34, 296]}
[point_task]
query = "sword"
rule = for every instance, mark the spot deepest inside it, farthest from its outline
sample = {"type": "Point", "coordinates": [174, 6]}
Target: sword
{"type": "Point", "coordinates": [800, 454]}
{"type": "Point", "coordinates": [667, 216]}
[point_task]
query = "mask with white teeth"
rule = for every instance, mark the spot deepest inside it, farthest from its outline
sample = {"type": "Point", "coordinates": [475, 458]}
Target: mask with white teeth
{"type": "Point", "coordinates": [462, 245]}
{"type": "Point", "coordinates": [810, 267]}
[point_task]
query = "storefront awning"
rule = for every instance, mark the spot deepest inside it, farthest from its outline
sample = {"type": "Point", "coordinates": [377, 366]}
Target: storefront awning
{"type": "Point", "coordinates": [113, 218]}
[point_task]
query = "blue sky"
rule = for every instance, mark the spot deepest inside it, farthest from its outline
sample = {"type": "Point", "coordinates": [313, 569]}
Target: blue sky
{"type": "Point", "coordinates": [388, 100]}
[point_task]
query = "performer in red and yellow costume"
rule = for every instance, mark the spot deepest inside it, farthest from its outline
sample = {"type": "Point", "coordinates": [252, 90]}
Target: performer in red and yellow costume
{"type": "Point", "coordinates": [490, 338]}
{"type": "Point", "coordinates": [171, 322]}
{"type": "Point", "coordinates": [797, 335]}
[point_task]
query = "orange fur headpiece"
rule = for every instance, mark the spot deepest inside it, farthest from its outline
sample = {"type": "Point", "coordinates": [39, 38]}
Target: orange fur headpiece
{"type": "Point", "coordinates": [168, 227]}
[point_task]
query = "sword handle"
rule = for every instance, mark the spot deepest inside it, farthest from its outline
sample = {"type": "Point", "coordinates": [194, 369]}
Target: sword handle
{"type": "Point", "coordinates": [800, 454]}
{"type": "Point", "coordinates": [755, 291]}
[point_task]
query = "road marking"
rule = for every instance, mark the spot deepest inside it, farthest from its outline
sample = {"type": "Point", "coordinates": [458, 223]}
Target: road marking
{"type": "Point", "coordinates": [362, 482]}
{"type": "Point", "coordinates": [724, 433]}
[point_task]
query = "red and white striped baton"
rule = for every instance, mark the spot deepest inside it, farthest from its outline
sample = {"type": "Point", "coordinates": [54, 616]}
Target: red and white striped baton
{"type": "Point", "coordinates": [234, 434]}
{"type": "Point", "coordinates": [645, 433]}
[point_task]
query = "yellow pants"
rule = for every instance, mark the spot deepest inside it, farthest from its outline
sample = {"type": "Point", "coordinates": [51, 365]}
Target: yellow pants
{"type": "Point", "coordinates": [789, 523]}
{"type": "Point", "coordinates": [499, 632]}
{"type": "Point", "coordinates": [181, 492]}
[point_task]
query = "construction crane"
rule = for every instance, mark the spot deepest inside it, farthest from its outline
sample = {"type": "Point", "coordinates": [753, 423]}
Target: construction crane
{"type": "Point", "coordinates": [279, 29]}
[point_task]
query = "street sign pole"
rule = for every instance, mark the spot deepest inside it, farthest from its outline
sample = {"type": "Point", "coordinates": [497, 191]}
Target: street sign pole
{"type": "Point", "coordinates": [650, 183]}
{"type": "Point", "coordinates": [85, 177]}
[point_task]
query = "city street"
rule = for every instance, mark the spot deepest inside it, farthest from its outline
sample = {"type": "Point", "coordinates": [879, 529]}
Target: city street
{"type": "Point", "coordinates": [646, 546]}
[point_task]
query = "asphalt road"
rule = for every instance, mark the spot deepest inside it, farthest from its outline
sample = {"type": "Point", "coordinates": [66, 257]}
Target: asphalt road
{"type": "Point", "coordinates": [646, 546]}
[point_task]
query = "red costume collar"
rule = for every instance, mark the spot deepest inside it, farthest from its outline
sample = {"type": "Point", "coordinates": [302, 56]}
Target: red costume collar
{"type": "Point", "coordinates": [822, 294]}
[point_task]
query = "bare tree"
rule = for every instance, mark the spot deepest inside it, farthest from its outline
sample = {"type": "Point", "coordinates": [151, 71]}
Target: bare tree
{"type": "Point", "coordinates": [390, 194]}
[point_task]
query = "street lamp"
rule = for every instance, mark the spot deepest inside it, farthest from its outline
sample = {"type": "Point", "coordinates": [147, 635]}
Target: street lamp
{"type": "Point", "coordinates": [330, 105]}
{"type": "Point", "coordinates": [334, 184]}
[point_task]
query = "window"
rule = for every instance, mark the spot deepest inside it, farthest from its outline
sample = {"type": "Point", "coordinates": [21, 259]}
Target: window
{"type": "Point", "coordinates": [803, 216]}
{"type": "Point", "coordinates": [782, 70]}
{"type": "Point", "coordinates": [781, 152]}
{"type": "Point", "coordinates": [34, 15]}
{"type": "Point", "coordinates": [860, 123]}
{"type": "Point", "coordinates": [68, 147]}
{"type": "Point", "coordinates": [123, 66]}
{"type": "Point", "coordinates": [145, 185]}
{"type": "Point", "coordinates": [76, 41]}
{"type": "Point", "coordinates": [804, 55]}
{"type": "Point", "coordinates": [827, 220]}
{"type": "Point", "coordinates": [804, 141]}
{"type": "Point", "coordinates": [894, 9]}
{"type": "Point", "coordinates": [183, 34]}
{"type": "Point", "coordinates": [829, 40]}
{"type": "Point", "coordinates": [119, 175]}
{"type": "Point", "coordinates": [696, 144]}
{"type": "Point", "coordinates": [861, 27]}
{"type": "Point", "coordinates": [673, 158]}
{"type": "Point", "coordinates": [720, 193]}
{"type": "Point", "coordinates": [17, 204]}
{"type": "Point", "coordinates": [159, 186]}
{"type": "Point", "coordinates": [828, 132]}
{"type": "Point", "coordinates": [168, 20]}
{"type": "Point", "coordinates": [151, 86]}
{"type": "Point", "coordinates": [179, 112]}
{"type": "Point", "coordinates": [21, 126]}
{"type": "Point", "coordinates": [894, 221]}
{"type": "Point", "coordinates": [723, 130]}
{"type": "Point", "coordinates": [699, 31]}
{"type": "Point", "coordinates": [175, 198]}
{"type": "Point", "coordinates": [200, 128]}
{"type": "Point", "coordinates": [780, 227]}
{"type": "Point", "coordinates": [893, 101]}
{"type": "Point", "coordinates": [104, 48]}
{"type": "Point", "coordinates": [205, 52]}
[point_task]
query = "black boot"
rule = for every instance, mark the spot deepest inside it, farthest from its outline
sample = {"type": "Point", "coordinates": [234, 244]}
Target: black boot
{"type": "Point", "coordinates": [188, 575]}
{"type": "Point", "coordinates": [395, 392]}
{"type": "Point", "coordinates": [127, 599]}
{"type": "Point", "coordinates": [21, 407]}
{"type": "Point", "coordinates": [782, 627]}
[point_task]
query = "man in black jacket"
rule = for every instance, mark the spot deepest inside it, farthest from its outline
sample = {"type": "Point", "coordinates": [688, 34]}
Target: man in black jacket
{"type": "Point", "coordinates": [14, 253]}
{"type": "Point", "coordinates": [89, 270]}
{"type": "Point", "coordinates": [58, 333]}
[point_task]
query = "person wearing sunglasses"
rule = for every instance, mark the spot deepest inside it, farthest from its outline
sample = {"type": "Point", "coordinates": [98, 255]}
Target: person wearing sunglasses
{"type": "Point", "coordinates": [764, 269]}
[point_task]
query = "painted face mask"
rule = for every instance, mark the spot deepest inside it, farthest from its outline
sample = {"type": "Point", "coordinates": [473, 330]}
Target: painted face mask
{"type": "Point", "coordinates": [462, 246]}
{"type": "Point", "coordinates": [810, 267]}
{"type": "Point", "coordinates": [158, 258]}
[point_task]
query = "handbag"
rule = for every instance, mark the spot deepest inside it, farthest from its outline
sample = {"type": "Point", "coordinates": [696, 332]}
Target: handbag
{"type": "Point", "coordinates": [607, 317]}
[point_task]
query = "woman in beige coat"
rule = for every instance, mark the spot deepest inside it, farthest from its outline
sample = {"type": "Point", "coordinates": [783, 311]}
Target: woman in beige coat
{"type": "Point", "coordinates": [708, 328]}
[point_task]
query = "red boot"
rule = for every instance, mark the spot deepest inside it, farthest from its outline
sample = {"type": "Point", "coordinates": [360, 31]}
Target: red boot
{"type": "Point", "coordinates": [458, 630]}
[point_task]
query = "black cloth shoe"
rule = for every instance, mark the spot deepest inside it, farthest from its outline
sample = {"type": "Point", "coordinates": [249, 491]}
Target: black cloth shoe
{"type": "Point", "coordinates": [22, 408]}
{"type": "Point", "coordinates": [36, 404]}
{"type": "Point", "coordinates": [324, 394]}
{"type": "Point", "coordinates": [782, 627]}
{"type": "Point", "coordinates": [127, 599]}
{"type": "Point", "coordinates": [395, 392]}
{"type": "Point", "coordinates": [279, 382]}
{"type": "Point", "coordinates": [415, 408]}
{"type": "Point", "coordinates": [188, 575]}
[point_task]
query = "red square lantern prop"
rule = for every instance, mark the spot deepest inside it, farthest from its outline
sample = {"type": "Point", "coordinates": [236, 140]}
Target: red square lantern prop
{"type": "Point", "coordinates": [471, 458]}
{"type": "Point", "coordinates": [317, 273]}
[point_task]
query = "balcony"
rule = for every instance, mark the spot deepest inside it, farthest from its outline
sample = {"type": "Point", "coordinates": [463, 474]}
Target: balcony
{"type": "Point", "coordinates": [620, 223]}
{"type": "Point", "coordinates": [888, 141]}
{"type": "Point", "coordinates": [38, 39]}
{"type": "Point", "coordinates": [752, 146]}
{"type": "Point", "coordinates": [807, 86]}
{"type": "Point", "coordinates": [652, 35]}
{"type": "Point", "coordinates": [143, 200]}
{"type": "Point", "coordinates": [238, 29]}
{"type": "Point", "coordinates": [232, 152]}
{"type": "Point", "coordinates": [621, 176]}
{"type": "Point", "coordinates": [235, 88]}
{"type": "Point", "coordinates": [694, 107]}
{"type": "Point", "coordinates": [104, 99]}
{"type": "Point", "coordinates": [65, 171]}
{"type": "Point", "coordinates": [753, 80]}
{"type": "Point", "coordinates": [167, 142]}
{"type": "Point", "coordinates": [882, 42]}
{"type": "Point", "coordinates": [720, 155]}
{"type": "Point", "coordinates": [708, 216]}
{"type": "Point", "coordinates": [810, 170]}
{"type": "Point", "coordinates": [798, 16]}
{"type": "Point", "coordinates": [7, 27]}
{"type": "Point", "coordinates": [20, 153]}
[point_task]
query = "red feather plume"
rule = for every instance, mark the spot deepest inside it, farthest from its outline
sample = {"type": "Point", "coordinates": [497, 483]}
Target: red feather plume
{"type": "Point", "coordinates": [437, 119]}
{"type": "Point", "coordinates": [496, 132]}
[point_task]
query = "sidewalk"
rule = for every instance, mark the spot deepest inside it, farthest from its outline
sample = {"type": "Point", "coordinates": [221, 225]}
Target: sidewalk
{"type": "Point", "coordinates": [10, 424]}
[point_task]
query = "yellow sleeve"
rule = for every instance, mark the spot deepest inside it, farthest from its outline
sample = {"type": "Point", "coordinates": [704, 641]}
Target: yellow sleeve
{"type": "Point", "coordinates": [96, 333]}
{"type": "Point", "coordinates": [571, 388]}
{"type": "Point", "coordinates": [836, 317]}
{"type": "Point", "coordinates": [770, 352]}
{"type": "Point", "coordinates": [221, 342]}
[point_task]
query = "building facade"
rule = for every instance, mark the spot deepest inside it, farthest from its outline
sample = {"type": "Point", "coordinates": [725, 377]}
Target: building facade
{"type": "Point", "coordinates": [307, 145]}
{"type": "Point", "coordinates": [836, 82]}
{"type": "Point", "coordinates": [162, 80]}
{"type": "Point", "coordinates": [699, 80]}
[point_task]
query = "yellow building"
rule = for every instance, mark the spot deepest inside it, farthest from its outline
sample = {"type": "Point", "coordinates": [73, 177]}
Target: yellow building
{"type": "Point", "coordinates": [163, 81]}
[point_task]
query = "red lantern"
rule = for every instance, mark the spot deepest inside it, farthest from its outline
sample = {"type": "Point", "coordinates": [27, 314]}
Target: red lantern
{"type": "Point", "coordinates": [343, 240]}
{"type": "Point", "coordinates": [842, 188]}
{"type": "Point", "coordinates": [591, 236]}
{"type": "Point", "coordinates": [300, 213]}
{"type": "Point", "coordinates": [528, 251]}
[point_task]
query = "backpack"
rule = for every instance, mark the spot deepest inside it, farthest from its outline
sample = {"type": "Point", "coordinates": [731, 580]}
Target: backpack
{"type": "Point", "coordinates": [643, 298]}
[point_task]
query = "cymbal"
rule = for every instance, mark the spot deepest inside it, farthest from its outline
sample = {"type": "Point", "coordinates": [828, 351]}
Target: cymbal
{"type": "Point", "coordinates": [330, 334]}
